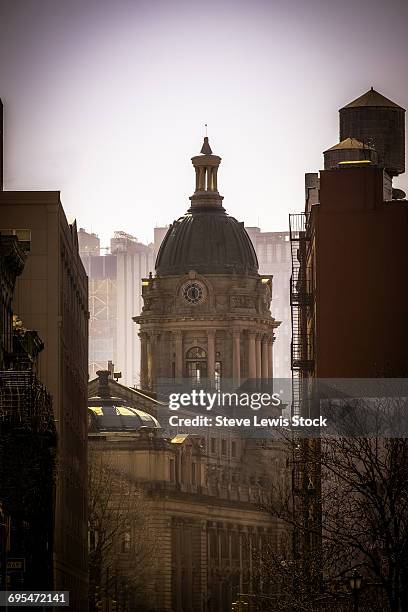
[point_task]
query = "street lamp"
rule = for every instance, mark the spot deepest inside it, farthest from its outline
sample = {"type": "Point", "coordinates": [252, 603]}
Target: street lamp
{"type": "Point", "coordinates": [355, 584]}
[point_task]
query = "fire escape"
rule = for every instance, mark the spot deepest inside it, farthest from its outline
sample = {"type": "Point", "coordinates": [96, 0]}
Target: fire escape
{"type": "Point", "coordinates": [304, 481]}
{"type": "Point", "coordinates": [301, 301]}
{"type": "Point", "coordinates": [28, 441]}
{"type": "Point", "coordinates": [27, 467]}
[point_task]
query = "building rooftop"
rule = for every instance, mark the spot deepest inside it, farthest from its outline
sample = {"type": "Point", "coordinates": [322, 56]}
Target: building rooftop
{"type": "Point", "coordinates": [110, 412]}
{"type": "Point", "coordinates": [112, 415]}
{"type": "Point", "coordinates": [209, 242]}
{"type": "Point", "coordinates": [349, 143]}
{"type": "Point", "coordinates": [206, 239]}
{"type": "Point", "coordinates": [372, 98]}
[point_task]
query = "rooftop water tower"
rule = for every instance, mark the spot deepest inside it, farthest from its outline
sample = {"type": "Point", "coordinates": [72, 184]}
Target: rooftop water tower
{"type": "Point", "coordinates": [379, 123]}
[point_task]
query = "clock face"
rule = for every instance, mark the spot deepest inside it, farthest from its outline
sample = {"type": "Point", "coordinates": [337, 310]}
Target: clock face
{"type": "Point", "coordinates": [193, 292]}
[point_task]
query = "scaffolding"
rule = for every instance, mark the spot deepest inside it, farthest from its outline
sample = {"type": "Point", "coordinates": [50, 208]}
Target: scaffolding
{"type": "Point", "coordinates": [102, 323]}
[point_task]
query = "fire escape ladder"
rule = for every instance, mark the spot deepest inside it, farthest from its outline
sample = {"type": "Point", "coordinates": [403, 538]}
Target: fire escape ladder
{"type": "Point", "coordinates": [301, 300]}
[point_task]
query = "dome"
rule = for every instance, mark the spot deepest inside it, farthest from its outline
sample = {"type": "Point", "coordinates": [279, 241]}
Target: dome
{"type": "Point", "coordinates": [112, 414]}
{"type": "Point", "coordinates": [209, 242]}
{"type": "Point", "coordinates": [206, 239]}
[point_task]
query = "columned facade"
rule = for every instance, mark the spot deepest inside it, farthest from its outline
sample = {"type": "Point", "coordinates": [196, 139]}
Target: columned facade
{"type": "Point", "coordinates": [264, 358]}
{"type": "Point", "coordinates": [270, 357]}
{"type": "Point", "coordinates": [251, 355]}
{"type": "Point", "coordinates": [227, 349]}
{"type": "Point", "coordinates": [178, 354]}
{"type": "Point", "coordinates": [211, 356]}
{"type": "Point", "coordinates": [236, 357]}
{"type": "Point", "coordinates": [204, 517]}
{"type": "Point", "coordinates": [258, 356]}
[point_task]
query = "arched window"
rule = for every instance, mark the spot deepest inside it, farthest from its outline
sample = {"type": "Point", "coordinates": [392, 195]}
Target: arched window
{"type": "Point", "coordinates": [196, 365]}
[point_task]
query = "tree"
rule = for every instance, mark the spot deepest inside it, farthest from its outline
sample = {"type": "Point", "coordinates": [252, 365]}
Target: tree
{"type": "Point", "coordinates": [121, 544]}
{"type": "Point", "coordinates": [352, 502]}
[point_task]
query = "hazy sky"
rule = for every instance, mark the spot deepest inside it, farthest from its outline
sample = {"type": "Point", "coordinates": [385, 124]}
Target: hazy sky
{"type": "Point", "coordinates": [106, 100]}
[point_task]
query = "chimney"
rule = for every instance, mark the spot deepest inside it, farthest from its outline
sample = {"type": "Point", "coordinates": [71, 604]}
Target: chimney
{"type": "Point", "coordinates": [103, 383]}
{"type": "Point", "coordinates": [111, 368]}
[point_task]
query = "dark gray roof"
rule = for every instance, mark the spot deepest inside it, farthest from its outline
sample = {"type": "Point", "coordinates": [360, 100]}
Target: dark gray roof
{"type": "Point", "coordinates": [208, 241]}
{"type": "Point", "coordinates": [372, 98]}
{"type": "Point", "coordinates": [349, 143]}
{"type": "Point", "coordinates": [206, 149]}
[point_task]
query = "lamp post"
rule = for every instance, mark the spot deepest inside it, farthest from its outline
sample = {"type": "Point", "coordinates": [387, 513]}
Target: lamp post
{"type": "Point", "coordinates": [355, 584]}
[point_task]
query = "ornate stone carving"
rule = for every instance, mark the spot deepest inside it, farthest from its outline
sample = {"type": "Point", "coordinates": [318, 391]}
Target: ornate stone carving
{"type": "Point", "coordinates": [242, 301]}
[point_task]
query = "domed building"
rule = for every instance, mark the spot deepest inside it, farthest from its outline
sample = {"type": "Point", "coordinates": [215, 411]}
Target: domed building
{"type": "Point", "coordinates": [107, 413]}
{"type": "Point", "coordinates": [202, 497]}
{"type": "Point", "coordinates": [206, 314]}
{"type": "Point", "coordinates": [205, 318]}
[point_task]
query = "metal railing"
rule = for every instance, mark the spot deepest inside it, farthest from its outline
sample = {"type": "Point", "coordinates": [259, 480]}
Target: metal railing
{"type": "Point", "coordinates": [301, 298]}
{"type": "Point", "coordinates": [24, 401]}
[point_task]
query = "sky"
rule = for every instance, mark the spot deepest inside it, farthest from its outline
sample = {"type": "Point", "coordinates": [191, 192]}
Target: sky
{"type": "Point", "coordinates": [106, 100]}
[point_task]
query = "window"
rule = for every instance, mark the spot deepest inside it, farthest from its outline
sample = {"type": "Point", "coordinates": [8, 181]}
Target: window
{"type": "Point", "coordinates": [213, 445]}
{"type": "Point", "coordinates": [218, 374]}
{"type": "Point", "coordinates": [235, 546]}
{"type": "Point", "coordinates": [196, 365]}
{"type": "Point", "coordinates": [193, 474]}
{"type": "Point", "coordinates": [233, 448]}
{"type": "Point", "coordinates": [126, 541]}
{"type": "Point", "coordinates": [224, 545]}
{"type": "Point", "coordinates": [223, 447]}
{"type": "Point", "coordinates": [172, 467]}
{"type": "Point", "coordinates": [23, 235]}
{"type": "Point", "coordinates": [213, 544]}
{"type": "Point", "coordinates": [92, 539]}
{"type": "Point", "coordinates": [196, 353]}
{"type": "Point", "coordinates": [245, 547]}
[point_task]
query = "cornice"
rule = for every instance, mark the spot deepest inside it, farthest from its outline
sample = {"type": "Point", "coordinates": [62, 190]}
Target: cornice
{"type": "Point", "coordinates": [224, 319]}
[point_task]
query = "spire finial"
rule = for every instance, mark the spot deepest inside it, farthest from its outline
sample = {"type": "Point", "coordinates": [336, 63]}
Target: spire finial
{"type": "Point", "coordinates": [206, 149]}
{"type": "Point", "coordinates": [206, 168]}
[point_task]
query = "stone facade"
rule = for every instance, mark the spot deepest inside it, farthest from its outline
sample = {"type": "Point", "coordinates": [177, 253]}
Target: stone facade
{"type": "Point", "coordinates": [232, 327]}
{"type": "Point", "coordinates": [203, 494]}
{"type": "Point", "coordinates": [206, 318]}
